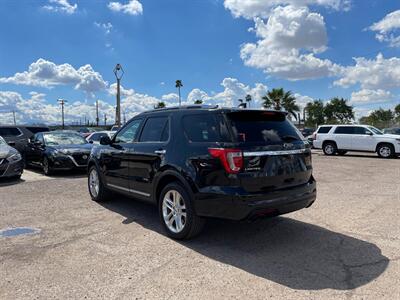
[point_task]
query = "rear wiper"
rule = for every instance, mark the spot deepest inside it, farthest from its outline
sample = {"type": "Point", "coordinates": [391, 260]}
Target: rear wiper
{"type": "Point", "coordinates": [290, 137]}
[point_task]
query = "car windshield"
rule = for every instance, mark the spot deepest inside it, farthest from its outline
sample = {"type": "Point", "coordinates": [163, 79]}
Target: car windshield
{"type": "Point", "coordinates": [63, 138]}
{"type": "Point", "coordinates": [2, 141]}
{"type": "Point", "coordinates": [375, 130]}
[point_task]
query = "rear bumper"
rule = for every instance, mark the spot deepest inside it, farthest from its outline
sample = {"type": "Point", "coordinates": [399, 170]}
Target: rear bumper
{"type": "Point", "coordinates": [235, 204]}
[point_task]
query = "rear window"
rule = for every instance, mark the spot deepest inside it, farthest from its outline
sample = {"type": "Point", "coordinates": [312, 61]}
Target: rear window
{"type": "Point", "coordinates": [262, 127]}
{"type": "Point", "coordinates": [345, 130]}
{"type": "Point", "coordinates": [37, 129]}
{"type": "Point", "coordinates": [205, 128]}
{"type": "Point", "coordinates": [10, 131]}
{"type": "Point", "coordinates": [324, 129]}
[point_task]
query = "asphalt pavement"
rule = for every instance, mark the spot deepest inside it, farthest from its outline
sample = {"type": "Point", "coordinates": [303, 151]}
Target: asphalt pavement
{"type": "Point", "coordinates": [347, 245]}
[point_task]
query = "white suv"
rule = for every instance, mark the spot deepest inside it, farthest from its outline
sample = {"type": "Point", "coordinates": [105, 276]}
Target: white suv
{"type": "Point", "coordinates": [339, 139]}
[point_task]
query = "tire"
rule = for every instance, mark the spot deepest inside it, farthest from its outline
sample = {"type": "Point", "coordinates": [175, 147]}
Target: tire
{"type": "Point", "coordinates": [47, 170]}
{"type": "Point", "coordinates": [329, 148]}
{"type": "Point", "coordinates": [101, 194]}
{"type": "Point", "coordinates": [179, 207]}
{"type": "Point", "coordinates": [385, 151]}
{"type": "Point", "coordinates": [342, 152]}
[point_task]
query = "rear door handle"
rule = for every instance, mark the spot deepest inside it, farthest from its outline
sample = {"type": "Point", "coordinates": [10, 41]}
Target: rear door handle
{"type": "Point", "coordinates": [160, 151]}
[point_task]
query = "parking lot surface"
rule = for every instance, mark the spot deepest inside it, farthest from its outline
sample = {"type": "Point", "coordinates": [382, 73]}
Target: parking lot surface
{"type": "Point", "coordinates": [347, 245]}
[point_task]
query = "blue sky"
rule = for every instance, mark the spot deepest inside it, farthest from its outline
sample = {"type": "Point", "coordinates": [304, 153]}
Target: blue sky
{"type": "Point", "coordinates": [220, 49]}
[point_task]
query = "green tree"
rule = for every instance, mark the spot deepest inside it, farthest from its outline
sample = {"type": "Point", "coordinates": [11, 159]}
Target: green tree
{"type": "Point", "coordinates": [315, 113]}
{"type": "Point", "coordinates": [248, 99]}
{"type": "Point", "coordinates": [397, 112]}
{"type": "Point", "coordinates": [278, 99]}
{"type": "Point", "coordinates": [380, 118]}
{"type": "Point", "coordinates": [160, 105]}
{"type": "Point", "coordinates": [198, 101]}
{"type": "Point", "coordinates": [337, 111]}
{"type": "Point", "coordinates": [178, 85]}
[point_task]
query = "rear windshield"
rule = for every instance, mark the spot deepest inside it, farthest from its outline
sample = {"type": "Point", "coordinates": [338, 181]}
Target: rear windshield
{"type": "Point", "coordinates": [37, 129]}
{"type": "Point", "coordinates": [262, 127]}
{"type": "Point", "coordinates": [324, 129]}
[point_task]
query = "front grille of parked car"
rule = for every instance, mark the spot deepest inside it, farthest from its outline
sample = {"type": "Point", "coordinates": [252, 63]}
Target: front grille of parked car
{"type": "Point", "coordinates": [79, 158]}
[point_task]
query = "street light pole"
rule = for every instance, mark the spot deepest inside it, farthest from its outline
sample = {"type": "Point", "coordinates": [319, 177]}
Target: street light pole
{"type": "Point", "coordinates": [119, 72]}
{"type": "Point", "coordinates": [97, 113]}
{"type": "Point", "coordinates": [62, 102]}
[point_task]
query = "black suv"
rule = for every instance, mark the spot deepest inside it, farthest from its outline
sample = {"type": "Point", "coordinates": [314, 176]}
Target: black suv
{"type": "Point", "coordinates": [196, 161]}
{"type": "Point", "coordinates": [18, 136]}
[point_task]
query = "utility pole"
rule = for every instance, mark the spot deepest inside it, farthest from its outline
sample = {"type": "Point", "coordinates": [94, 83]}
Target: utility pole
{"type": "Point", "coordinates": [62, 102]}
{"type": "Point", "coordinates": [15, 122]}
{"type": "Point", "coordinates": [97, 113]}
{"type": "Point", "coordinates": [119, 72]}
{"type": "Point", "coordinates": [105, 119]}
{"type": "Point", "coordinates": [124, 117]}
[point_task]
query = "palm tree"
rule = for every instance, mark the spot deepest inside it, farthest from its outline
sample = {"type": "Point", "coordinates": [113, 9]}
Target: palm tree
{"type": "Point", "coordinates": [273, 99]}
{"type": "Point", "coordinates": [198, 101]}
{"type": "Point", "coordinates": [241, 103]}
{"type": "Point", "coordinates": [289, 104]}
{"type": "Point", "coordinates": [178, 85]}
{"type": "Point", "coordinates": [278, 99]}
{"type": "Point", "coordinates": [248, 99]}
{"type": "Point", "coordinates": [160, 105]}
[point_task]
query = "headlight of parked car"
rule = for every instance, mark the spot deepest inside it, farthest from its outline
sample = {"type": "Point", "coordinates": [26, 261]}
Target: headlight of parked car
{"type": "Point", "coordinates": [59, 152]}
{"type": "Point", "coordinates": [14, 157]}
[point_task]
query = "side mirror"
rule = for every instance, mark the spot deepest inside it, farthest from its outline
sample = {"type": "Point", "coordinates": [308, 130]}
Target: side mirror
{"type": "Point", "coordinates": [90, 142]}
{"type": "Point", "coordinates": [369, 133]}
{"type": "Point", "coordinates": [38, 143]}
{"type": "Point", "coordinates": [105, 140]}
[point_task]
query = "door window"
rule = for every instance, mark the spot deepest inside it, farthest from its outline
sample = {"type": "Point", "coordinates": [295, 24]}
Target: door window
{"type": "Point", "coordinates": [128, 133]}
{"type": "Point", "coordinates": [324, 129]}
{"type": "Point", "coordinates": [10, 131]}
{"type": "Point", "coordinates": [361, 130]}
{"type": "Point", "coordinates": [344, 130]}
{"type": "Point", "coordinates": [155, 130]}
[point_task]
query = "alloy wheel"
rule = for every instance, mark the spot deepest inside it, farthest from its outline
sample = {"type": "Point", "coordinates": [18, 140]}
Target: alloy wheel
{"type": "Point", "coordinates": [329, 149]}
{"type": "Point", "coordinates": [94, 183]}
{"type": "Point", "coordinates": [174, 211]}
{"type": "Point", "coordinates": [385, 151]}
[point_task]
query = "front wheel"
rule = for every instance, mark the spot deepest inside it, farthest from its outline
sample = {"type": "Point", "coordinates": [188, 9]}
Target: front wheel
{"type": "Point", "coordinates": [47, 170]}
{"type": "Point", "coordinates": [176, 213]}
{"type": "Point", "coordinates": [98, 192]}
{"type": "Point", "coordinates": [385, 151]}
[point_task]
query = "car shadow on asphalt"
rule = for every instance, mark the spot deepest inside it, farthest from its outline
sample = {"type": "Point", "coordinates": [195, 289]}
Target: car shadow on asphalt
{"type": "Point", "coordinates": [60, 173]}
{"type": "Point", "coordinates": [10, 181]}
{"type": "Point", "coordinates": [292, 253]}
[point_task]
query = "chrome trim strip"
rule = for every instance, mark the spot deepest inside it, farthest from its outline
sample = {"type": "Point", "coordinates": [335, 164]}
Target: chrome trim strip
{"type": "Point", "coordinates": [74, 161]}
{"type": "Point", "coordinates": [273, 153]}
{"type": "Point", "coordinates": [132, 191]}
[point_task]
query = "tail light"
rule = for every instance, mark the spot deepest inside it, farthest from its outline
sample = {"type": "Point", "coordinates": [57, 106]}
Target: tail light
{"type": "Point", "coordinates": [314, 136]}
{"type": "Point", "coordinates": [231, 159]}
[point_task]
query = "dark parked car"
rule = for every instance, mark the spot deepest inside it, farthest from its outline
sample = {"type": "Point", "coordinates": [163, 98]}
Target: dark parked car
{"type": "Point", "coordinates": [58, 150]}
{"type": "Point", "coordinates": [307, 131]}
{"type": "Point", "coordinates": [18, 136]}
{"type": "Point", "coordinates": [197, 162]}
{"type": "Point", "coordinates": [11, 164]}
{"type": "Point", "coordinates": [392, 131]}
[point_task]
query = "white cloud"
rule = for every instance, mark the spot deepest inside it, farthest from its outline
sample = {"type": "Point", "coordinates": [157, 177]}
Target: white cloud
{"type": "Point", "coordinates": [262, 8]}
{"type": "Point", "coordinates": [285, 39]}
{"type": "Point", "coordinates": [233, 90]}
{"type": "Point", "coordinates": [388, 29]}
{"type": "Point", "coordinates": [132, 7]}
{"type": "Point", "coordinates": [172, 97]}
{"type": "Point", "coordinates": [379, 73]}
{"type": "Point", "coordinates": [367, 96]}
{"type": "Point", "coordinates": [61, 6]}
{"type": "Point", "coordinates": [302, 100]}
{"type": "Point", "coordinates": [106, 27]}
{"type": "Point", "coordinates": [45, 73]}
